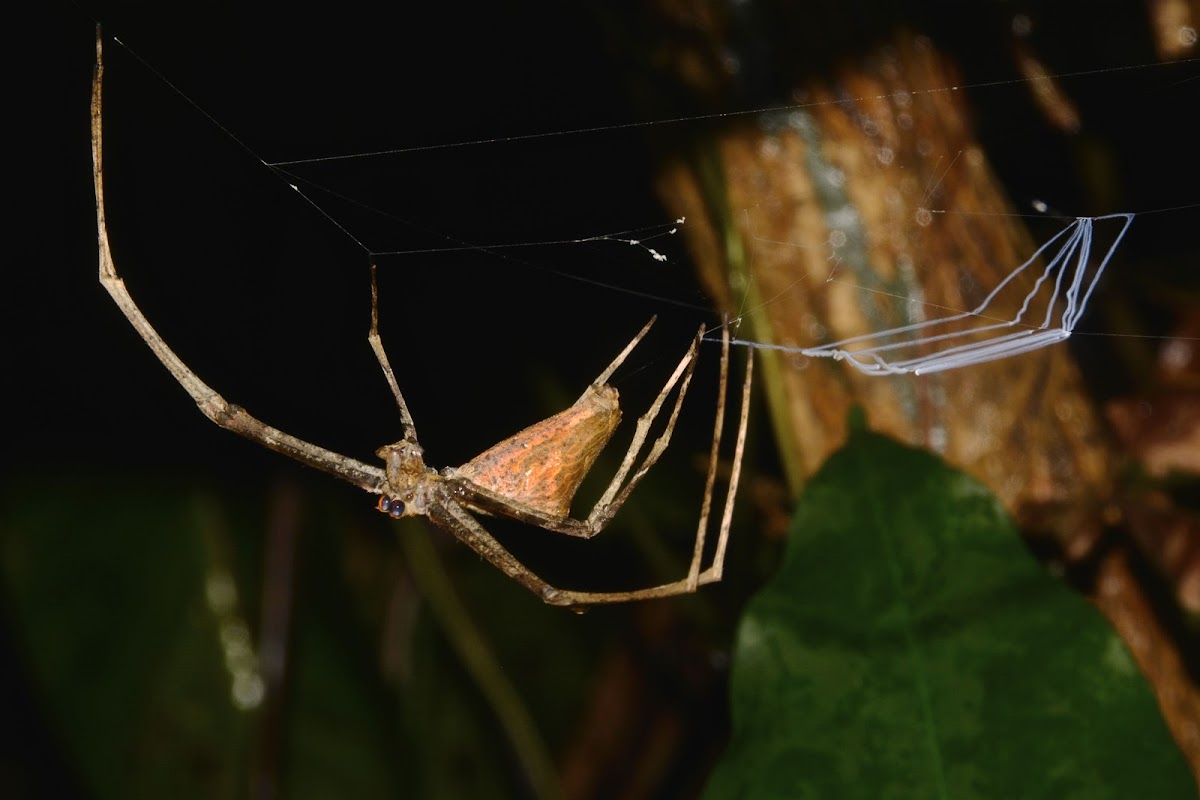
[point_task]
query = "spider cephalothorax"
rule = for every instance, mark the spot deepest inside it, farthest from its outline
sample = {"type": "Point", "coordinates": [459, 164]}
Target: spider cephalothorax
{"type": "Point", "coordinates": [409, 484]}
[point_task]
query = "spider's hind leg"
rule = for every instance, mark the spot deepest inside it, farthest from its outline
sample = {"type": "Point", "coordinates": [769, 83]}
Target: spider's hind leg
{"type": "Point", "coordinates": [450, 515]}
{"type": "Point", "coordinates": [619, 489]}
{"type": "Point", "coordinates": [716, 568]}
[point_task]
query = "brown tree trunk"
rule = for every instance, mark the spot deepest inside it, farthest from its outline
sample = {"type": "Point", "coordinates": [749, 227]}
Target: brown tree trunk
{"type": "Point", "coordinates": [819, 221]}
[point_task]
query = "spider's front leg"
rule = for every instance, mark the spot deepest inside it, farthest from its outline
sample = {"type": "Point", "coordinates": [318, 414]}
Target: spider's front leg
{"type": "Point", "coordinates": [213, 405]}
{"type": "Point", "coordinates": [616, 494]}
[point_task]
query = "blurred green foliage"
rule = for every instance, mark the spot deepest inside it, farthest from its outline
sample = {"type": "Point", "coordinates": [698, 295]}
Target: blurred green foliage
{"type": "Point", "coordinates": [106, 588]}
{"type": "Point", "coordinates": [910, 646]}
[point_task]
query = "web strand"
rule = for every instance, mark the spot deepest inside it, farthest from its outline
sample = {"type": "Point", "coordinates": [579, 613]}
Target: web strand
{"type": "Point", "coordinates": [1066, 284]}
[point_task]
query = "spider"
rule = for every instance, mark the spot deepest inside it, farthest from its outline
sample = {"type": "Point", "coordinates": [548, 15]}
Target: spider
{"type": "Point", "coordinates": [530, 477]}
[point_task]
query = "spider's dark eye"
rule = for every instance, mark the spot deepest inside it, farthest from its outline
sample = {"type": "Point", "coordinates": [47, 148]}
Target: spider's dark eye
{"type": "Point", "coordinates": [391, 505]}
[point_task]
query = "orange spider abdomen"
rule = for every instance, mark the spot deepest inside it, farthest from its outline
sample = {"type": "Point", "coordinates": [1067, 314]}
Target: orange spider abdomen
{"type": "Point", "coordinates": [543, 465]}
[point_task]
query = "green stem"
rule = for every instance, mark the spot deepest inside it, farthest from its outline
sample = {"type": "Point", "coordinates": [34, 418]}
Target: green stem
{"type": "Point", "coordinates": [472, 649]}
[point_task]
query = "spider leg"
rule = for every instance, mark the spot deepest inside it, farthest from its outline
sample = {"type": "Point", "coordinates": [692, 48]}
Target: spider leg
{"type": "Point", "coordinates": [620, 359]}
{"type": "Point", "coordinates": [735, 473]}
{"type": "Point", "coordinates": [448, 514]}
{"type": "Point", "coordinates": [215, 407]}
{"type": "Point", "coordinates": [711, 478]}
{"type": "Point", "coordinates": [410, 429]}
{"type": "Point", "coordinates": [616, 494]}
{"type": "Point", "coordinates": [716, 569]}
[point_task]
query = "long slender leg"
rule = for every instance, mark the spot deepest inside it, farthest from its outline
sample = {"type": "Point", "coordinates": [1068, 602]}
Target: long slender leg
{"type": "Point", "coordinates": [621, 356]}
{"type": "Point", "coordinates": [714, 453]}
{"type": "Point", "coordinates": [467, 529]}
{"type": "Point", "coordinates": [215, 407]}
{"type": "Point", "coordinates": [410, 428]}
{"type": "Point", "coordinates": [616, 494]}
{"type": "Point", "coordinates": [716, 569]}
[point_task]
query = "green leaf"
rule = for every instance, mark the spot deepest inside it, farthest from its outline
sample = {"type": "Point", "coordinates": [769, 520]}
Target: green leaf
{"type": "Point", "coordinates": [910, 647]}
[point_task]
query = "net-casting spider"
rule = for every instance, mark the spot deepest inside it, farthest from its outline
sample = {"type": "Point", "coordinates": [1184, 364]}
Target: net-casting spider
{"type": "Point", "coordinates": [530, 477]}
